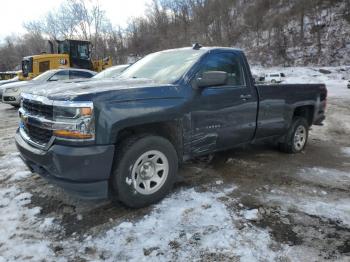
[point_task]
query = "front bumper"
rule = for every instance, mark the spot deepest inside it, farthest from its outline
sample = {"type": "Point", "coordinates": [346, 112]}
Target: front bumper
{"type": "Point", "coordinates": [82, 171]}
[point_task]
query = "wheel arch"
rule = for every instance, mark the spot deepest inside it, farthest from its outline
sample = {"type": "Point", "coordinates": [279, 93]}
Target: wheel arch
{"type": "Point", "coordinates": [306, 111]}
{"type": "Point", "coordinates": [171, 130]}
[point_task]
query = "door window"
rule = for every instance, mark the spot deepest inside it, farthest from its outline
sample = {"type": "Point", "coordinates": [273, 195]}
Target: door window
{"type": "Point", "coordinates": [61, 75]}
{"type": "Point", "coordinates": [44, 66]}
{"type": "Point", "coordinates": [227, 62]}
{"type": "Point", "coordinates": [79, 74]}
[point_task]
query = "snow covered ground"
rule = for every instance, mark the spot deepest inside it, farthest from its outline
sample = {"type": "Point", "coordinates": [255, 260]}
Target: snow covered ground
{"type": "Point", "coordinates": [251, 204]}
{"type": "Point", "coordinates": [188, 225]}
{"type": "Point", "coordinates": [185, 226]}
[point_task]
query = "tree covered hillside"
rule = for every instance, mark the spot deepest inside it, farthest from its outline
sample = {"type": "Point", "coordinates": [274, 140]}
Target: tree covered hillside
{"type": "Point", "coordinates": [272, 32]}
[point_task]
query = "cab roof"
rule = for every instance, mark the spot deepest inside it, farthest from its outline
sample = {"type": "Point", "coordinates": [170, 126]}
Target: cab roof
{"type": "Point", "coordinates": [205, 49]}
{"type": "Point", "coordinates": [46, 55]}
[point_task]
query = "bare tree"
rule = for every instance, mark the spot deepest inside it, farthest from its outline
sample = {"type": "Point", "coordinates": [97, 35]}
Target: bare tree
{"type": "Point", "coordinates": [269, 29]}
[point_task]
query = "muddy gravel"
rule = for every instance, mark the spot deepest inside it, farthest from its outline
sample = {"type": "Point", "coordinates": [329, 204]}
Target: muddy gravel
{"type": "Point", "coordinates": [301, 200]}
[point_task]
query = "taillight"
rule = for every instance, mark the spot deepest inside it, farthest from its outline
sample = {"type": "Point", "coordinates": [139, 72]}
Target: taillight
{"type": "Point", "coordinates": [324, 96]}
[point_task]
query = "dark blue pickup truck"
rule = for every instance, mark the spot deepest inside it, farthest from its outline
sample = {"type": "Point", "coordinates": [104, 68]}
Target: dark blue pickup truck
{"type": "Point", "coordinates": [125, 137]}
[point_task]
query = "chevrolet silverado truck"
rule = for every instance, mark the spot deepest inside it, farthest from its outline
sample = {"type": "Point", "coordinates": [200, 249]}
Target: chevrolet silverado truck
{"type": "Point", "coordinates": [124, 138]}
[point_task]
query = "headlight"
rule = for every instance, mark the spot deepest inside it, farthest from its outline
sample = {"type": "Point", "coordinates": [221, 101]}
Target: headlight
{"type": "Point", "coordinates": [74, 121]}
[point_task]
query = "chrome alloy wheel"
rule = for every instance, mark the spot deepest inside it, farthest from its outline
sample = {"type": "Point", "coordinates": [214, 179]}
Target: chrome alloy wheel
{"type": "Point", "coordinates": [300, 138]}
{"type": "Point", "coordinates": [149, 172]}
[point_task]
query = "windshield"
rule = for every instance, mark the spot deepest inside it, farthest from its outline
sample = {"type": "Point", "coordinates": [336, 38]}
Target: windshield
{"type": "Point", "coordinates": [163, 67]}
{"type": "Point", "coordinates": [44, 76]}
{"type": "Point", "coordinates": [111, 72]}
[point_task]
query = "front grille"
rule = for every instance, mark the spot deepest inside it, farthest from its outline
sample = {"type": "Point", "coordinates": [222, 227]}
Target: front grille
{"type": "Point", "coordinates": [9, 98]}
{"type": "Point", "coordinates": [38, 109]}
{"type": "Point", "coordinates": [37, 134]}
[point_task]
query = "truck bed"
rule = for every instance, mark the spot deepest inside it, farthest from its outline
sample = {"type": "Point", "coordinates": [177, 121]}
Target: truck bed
{"type": "Point", "coordinates": [277, 103]}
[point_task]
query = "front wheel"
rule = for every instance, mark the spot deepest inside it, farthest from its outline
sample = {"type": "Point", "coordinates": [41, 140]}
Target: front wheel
{"type": "Point", "coordinates": [145, 170]}
{"type": "Point", "coordinates": [297, 136]}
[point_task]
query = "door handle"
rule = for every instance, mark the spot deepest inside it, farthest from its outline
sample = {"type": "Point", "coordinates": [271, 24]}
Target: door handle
{"type": "Point", "coordinates": [245, 97]}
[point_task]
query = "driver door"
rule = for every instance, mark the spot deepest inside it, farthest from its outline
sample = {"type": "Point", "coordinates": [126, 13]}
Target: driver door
{"type": "Point", "coordinates": [223, 116]}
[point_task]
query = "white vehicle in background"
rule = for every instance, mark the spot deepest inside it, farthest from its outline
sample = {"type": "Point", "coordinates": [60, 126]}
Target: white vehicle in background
{"type": "Point", "coordinates": [274, 77]}
{"type": "Point", "coordinates": [11, 93]}
{"type": "Point", "coordinates": [5, 82]}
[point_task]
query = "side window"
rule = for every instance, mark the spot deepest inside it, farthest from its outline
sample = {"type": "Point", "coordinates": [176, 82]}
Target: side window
{"type": "Point", "coordinates": [79, 74]}
{"type": "Point", "coordinates": [227, 62]}
{"type": "Point", "coordinates": [61, 75]}
{"type": "Point", "coordinates": [83, 51]}
{"type": "Point", "coordinates": [44, 66]}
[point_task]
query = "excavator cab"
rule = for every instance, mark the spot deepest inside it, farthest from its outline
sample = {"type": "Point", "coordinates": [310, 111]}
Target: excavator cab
{"type": "Point", "coordinates": [79, 52]}
{"type": "Point", "coordinates": [70, 53]}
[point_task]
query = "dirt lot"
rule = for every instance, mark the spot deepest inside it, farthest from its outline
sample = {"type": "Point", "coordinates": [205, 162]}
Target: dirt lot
{"type": "Point", "coordinates": [251, 203]}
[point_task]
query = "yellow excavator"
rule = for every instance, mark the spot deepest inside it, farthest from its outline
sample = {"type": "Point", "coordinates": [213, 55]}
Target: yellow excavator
{"type": "Point", "coordinates": [70, 53]}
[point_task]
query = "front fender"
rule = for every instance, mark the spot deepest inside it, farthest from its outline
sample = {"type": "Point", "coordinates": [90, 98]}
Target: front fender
{"type": "Point", "coordinates": [114, 116]}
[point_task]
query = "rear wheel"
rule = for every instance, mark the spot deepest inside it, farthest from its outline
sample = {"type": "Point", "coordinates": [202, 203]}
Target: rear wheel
{"type": "Point", "coordinates": [145, 170]}
{"type": "Point", "coordinates": [296, 138]}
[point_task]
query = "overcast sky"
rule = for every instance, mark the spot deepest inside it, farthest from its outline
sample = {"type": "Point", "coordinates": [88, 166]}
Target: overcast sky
{"type": "Point", "coordinates": [14, 12]}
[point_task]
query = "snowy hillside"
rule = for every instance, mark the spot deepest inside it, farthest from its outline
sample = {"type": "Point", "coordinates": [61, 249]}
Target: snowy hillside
{"type": "Point", "coordinates": [318, 37]}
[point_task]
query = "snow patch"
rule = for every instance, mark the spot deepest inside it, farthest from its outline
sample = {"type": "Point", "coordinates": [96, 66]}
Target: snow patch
{"type": "Point", "coordinates": [219, 182]}
{"type": "Point", "coordinates": [20, 175]}
{"type": "Point", "coordinates": [337, 210]}
{"type": "Point", "coordinates": [332, 208]}
{"type": "Point", "coordinates": [184, 227]}
{"type": "Point", "coordinates": [12, 168]}
{"type": "Point", "coordinates": [346, 151]}
{"type": "Point", "coordinates": [19, 238]}
{"type": "Point", "coordinates": [326, 177]}
{"type": "Point", "coordinates": [252, 214]}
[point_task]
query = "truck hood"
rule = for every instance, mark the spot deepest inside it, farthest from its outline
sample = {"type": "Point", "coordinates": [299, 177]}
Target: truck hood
{"type": "Point", "coordinates": [107, 89]}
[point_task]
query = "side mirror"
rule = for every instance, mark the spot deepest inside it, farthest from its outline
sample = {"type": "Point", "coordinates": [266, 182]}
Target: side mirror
{"type": "Point", "coordinates": [212, 78]}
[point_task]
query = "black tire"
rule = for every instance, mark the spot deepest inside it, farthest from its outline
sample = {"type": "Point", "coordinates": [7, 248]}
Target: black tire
{"type": "Point", "coordinates": [289, 145]}
{"type": "Point", "coordinates": [131, 150]}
